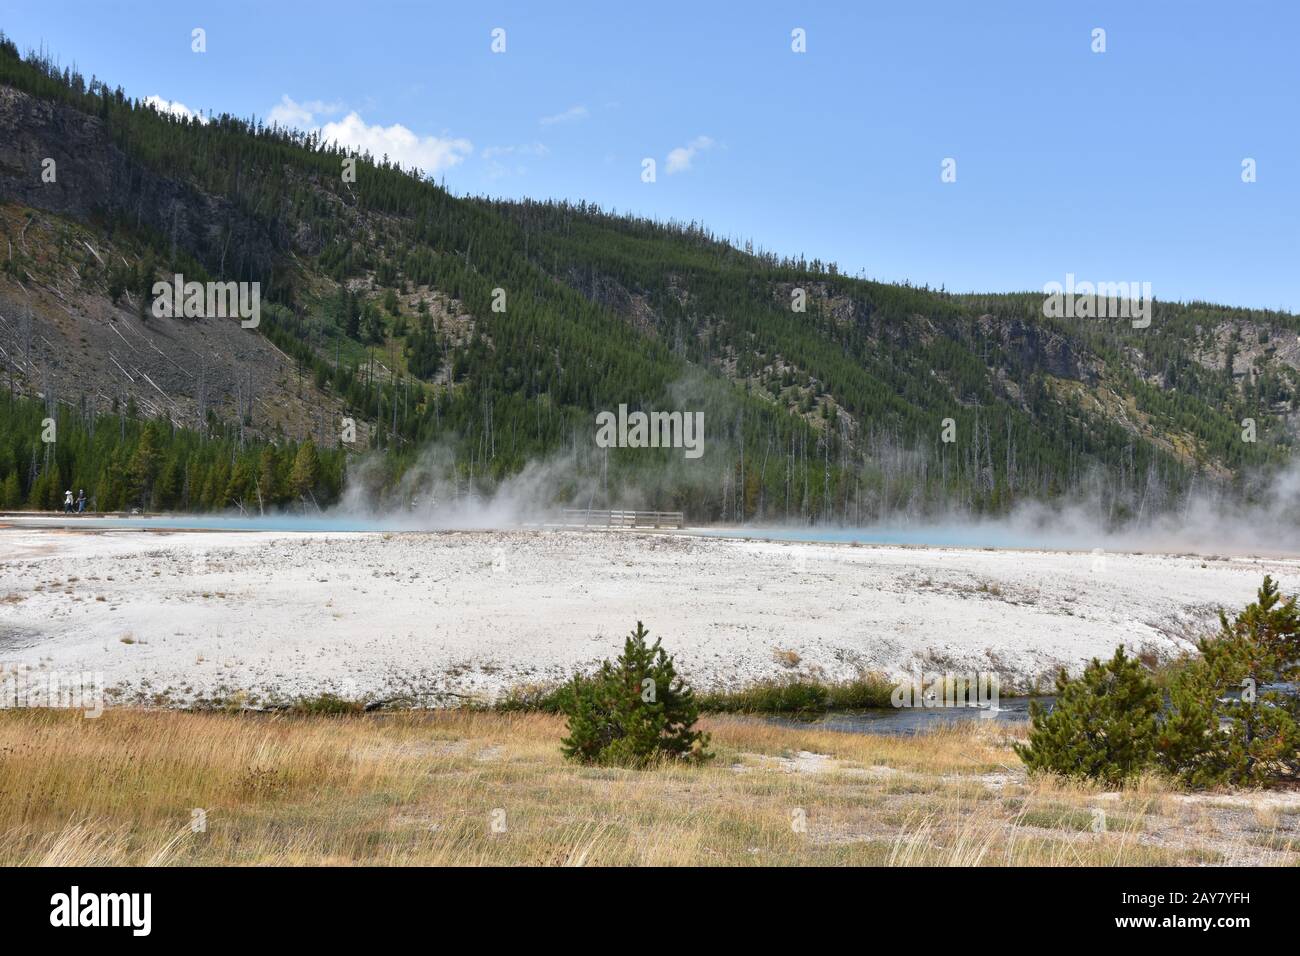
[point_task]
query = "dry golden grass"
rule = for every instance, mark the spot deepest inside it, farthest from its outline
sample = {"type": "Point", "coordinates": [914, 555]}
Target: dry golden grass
{"type": "Point", "coordinates": [458, 787]}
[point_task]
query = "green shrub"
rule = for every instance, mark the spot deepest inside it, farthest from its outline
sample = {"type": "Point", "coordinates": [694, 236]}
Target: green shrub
{"type": "Point", "coordinates": [533, 698]}
{"type": "Point", "coordinates": [327, 705]}
{"type": "Point", "coordinates": [1103, 726]}
{"type": "Point", "coordinates": [634, 711]}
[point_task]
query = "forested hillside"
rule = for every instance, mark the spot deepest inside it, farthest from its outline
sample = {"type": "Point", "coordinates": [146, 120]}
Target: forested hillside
{"type": "Point", "coordinates": [468, 338]}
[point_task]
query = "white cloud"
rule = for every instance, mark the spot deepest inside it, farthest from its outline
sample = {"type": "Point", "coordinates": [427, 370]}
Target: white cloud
{"type": "Point", "coordinates": [431, 154]}
{"type": "Point", "coordinates": [679, 159]}
{"type": "Point", "coordinates": [175, 107]}
{"type": "Point", "coordinates": [572, 114]}
{"type": "Point", "coordinates": [320, 106]}
{"type": "Point", "coordinates": [289, 112]}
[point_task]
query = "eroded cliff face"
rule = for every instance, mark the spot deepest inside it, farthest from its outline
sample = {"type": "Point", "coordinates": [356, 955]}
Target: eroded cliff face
{"type": "Point", "coordinates": [64, 333]}
{"type": "Point", "coordinates": [94, 181]}
{"type": "Point", "coordinates": [1038, 347]}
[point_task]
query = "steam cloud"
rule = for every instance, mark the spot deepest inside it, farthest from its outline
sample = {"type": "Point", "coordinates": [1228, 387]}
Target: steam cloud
{"type": "Point", "coordinates": [1213, 519]}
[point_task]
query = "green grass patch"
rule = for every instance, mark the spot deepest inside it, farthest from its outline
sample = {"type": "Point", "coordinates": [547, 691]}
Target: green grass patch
{"type": "Point", "coordinates": [798, 696]}
{"type": "Point", "coordinates": [801, 696]}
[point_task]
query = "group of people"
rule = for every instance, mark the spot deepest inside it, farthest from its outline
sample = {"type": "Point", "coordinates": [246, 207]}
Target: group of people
{"type": "Point", "coordinates": [78, 506]}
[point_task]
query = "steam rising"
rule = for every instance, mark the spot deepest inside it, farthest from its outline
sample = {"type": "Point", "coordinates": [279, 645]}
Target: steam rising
{"type": "Point", "coordinates": [1261, 518]}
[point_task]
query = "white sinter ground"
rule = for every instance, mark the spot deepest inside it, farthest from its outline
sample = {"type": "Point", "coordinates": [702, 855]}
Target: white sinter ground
{"type": "Point", "coordinates": [177, 617]}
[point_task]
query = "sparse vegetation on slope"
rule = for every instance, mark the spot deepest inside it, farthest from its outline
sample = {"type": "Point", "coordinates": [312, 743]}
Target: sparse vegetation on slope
{"type": "Point", "coordinates": [494, 331]}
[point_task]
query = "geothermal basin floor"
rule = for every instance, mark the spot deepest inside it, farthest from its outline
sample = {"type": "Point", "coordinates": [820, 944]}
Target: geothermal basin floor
{"type": "Point", "coordinates": [438, 618]}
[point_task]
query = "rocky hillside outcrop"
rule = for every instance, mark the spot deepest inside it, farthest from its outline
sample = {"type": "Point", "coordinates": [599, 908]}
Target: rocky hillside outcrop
{"type": "Point", "coordinates": [95, 181]}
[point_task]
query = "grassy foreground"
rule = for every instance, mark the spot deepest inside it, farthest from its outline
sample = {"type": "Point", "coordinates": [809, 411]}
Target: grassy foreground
{"type": "Point", "coordinates": [472, 787]}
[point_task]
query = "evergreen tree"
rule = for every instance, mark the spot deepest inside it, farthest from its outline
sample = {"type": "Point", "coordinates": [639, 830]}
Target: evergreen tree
{"type": "Point", "coordinates": [1102, 726]}
{"type": "Point", "coordinates": [11, 493]}
{"type": "Point", "coordinates": [43, 488]}
{"type": "Point", "coordinates": [306, 471]}
{"type": "Point", "coordinates": [239, 489]}
{"type": "Point", "coordinates": [423, 355]}
{"type": "Point", "coordinates": [167, 488]}
{"type": "Point", "coordinates": [122, 462]}
{"type": "Point", "coordinates": [633, 711]}
{"type": "Point", "coordinates": [268, 481]}
{"type": "Point", "coordinates": [144, 467]}
{"type": "Point", "coordinates": [1228, 721]}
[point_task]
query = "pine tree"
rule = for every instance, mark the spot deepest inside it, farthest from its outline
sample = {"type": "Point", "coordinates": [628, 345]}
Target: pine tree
{"type": "Point", "coordinates": [1227, 722]}
{"type": "Point", "coordinates": [633, 711]}
{"type": "Point", "coordinates": [144, 467]}
{"type": "Point", "coordinates": [11, 493]}
{"type": "Point", "coordinates": [268, 482]}
{"type": "Point", "coordinates": [168, 485]}
{"type": "Point", "coordinates": [306, 471]}
{"type": "Point", "coordinates": [40, 493]}
{"type": "Point", "coordinates": [240, 487]}
{"type": "Point", "coordinates": [1102, 727]}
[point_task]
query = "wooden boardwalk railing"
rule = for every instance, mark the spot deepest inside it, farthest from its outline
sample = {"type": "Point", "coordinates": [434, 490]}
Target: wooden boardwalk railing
{"type": "Point", "coordinates": [603, 518]}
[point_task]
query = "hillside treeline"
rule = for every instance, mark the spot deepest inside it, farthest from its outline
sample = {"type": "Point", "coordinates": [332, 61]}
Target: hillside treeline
{"type": "Point", "coordinates": [837, 413]}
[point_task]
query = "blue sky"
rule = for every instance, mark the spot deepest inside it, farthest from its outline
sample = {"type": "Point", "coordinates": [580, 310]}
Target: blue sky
{"type": "Point", "coordinates": [1115, 166]}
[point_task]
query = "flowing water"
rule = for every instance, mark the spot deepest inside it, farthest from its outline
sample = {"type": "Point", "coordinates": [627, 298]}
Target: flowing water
{"type": "Point", "coordinates": [896, 721]}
